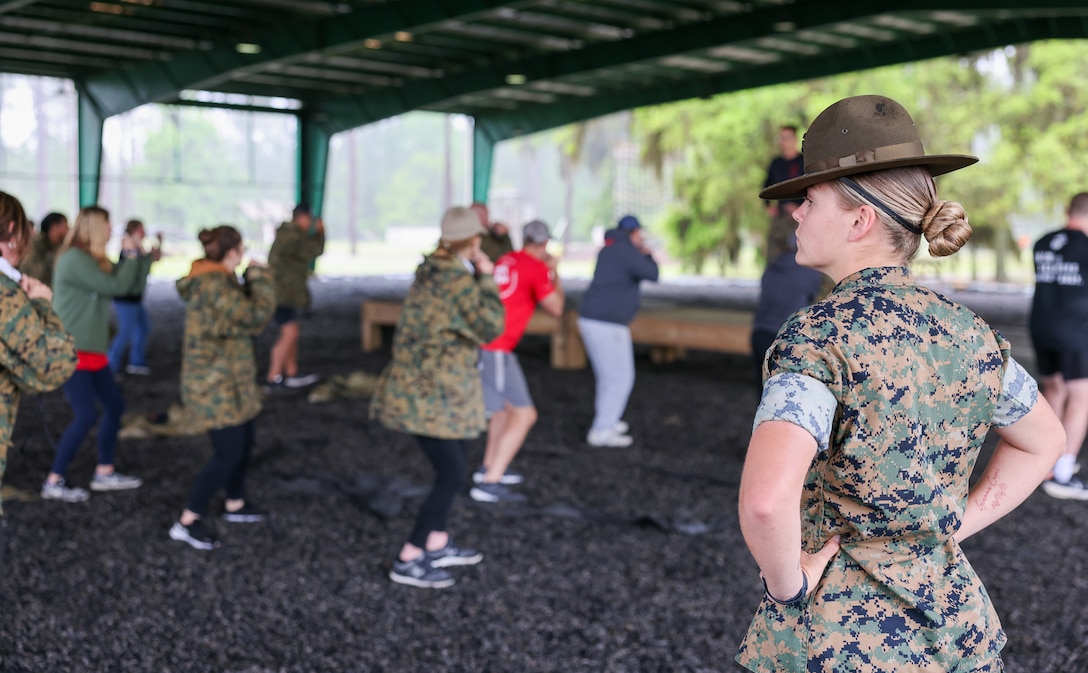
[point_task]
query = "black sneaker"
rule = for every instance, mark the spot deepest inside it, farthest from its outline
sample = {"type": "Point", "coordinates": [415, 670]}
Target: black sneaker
{"type": "Point", "coordinates": [196, 535]}
{"type": "Point", "coordinates": [1074, 489]}
{"type": "Point", "coordinates": [420, 573]}
{"type": "Point", "coordinates": [510, 478]}
{"type": "Point", "coordinates": [275, 387]}
{"type": "Point", "coordinates": [249, 513]}
{"type": "Point", "coordinates": [495, 493]}
{"type": "Point", "coordinates": [452, 555]}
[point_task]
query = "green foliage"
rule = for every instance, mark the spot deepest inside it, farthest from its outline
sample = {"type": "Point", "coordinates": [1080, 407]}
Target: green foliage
{"type": "Point", "coordinates": [190, 173]}
{"type": "Point", "coordinates": [1021, 110]}
{"type": "Point", "coordinates": [411, 194]}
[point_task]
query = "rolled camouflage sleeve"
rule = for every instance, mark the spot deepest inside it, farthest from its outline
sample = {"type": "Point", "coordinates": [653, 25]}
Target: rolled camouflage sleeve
{"type": "Point", "coordinates": [1019, 393]}
{"type": "Point", "coordinates": [801, 400]}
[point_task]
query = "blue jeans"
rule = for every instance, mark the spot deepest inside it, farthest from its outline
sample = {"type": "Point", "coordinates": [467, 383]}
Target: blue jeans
{"type": "Point", "coordinates": [132, 328]}
{"type": "Point", "coordinates": [612, 357]}
{"type": "Point", "coordinates": [82, 392]}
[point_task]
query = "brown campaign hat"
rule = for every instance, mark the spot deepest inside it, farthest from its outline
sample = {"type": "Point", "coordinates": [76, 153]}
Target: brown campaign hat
{"type": "Point", "coordinates": [859, 135]}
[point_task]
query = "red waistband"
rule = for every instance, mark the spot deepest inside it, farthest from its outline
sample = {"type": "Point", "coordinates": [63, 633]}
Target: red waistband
{"type": "Point", "coordinates": [91, 362]}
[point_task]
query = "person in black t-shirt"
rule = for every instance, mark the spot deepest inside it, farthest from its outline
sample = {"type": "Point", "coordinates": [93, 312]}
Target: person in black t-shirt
{"type": "Point", "coordinates": [790, 164]}
{"type": "Point", "coordinates": [1059, 332]}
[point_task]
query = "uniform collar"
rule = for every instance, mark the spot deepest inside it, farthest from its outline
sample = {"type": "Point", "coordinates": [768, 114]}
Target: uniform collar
{"type": "Point", "coordinates": [881, 275]}
{"type": "Point", "coordinates": [10, 271]}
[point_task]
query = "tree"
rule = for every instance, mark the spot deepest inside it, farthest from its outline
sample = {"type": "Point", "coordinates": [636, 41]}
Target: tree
{"type": "Point", "coordinates": [1020, 109]}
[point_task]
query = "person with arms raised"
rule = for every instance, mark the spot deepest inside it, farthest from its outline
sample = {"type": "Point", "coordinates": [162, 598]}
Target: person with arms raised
{"type": "Point", "coordinates": [84, 281]}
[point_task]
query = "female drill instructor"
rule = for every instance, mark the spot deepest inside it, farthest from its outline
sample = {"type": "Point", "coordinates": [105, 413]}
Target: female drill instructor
{"type": "Point", "coordinates": [432, 388]}
{"type": "Point", "coordinates": [854, 496]}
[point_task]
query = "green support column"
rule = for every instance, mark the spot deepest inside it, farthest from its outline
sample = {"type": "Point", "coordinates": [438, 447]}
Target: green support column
{"type": "Point", "coordinates": [312, 161]}
{"type": "Point", "coordinates": [483, 155]}
{"type": "Point", "coordinates": [89, 128]}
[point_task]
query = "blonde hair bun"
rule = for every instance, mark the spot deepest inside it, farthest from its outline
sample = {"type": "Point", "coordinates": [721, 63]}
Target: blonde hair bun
{"type": "Point", "coordinates": [945, 227]}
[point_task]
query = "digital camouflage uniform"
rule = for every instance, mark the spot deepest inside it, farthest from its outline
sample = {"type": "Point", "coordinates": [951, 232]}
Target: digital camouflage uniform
{"type": "Point", "coordinates": [36, 354]}
{"type": "Point", "coordinates": [292, 253]}
{"type": "Point", "coordinates": [218, 370]}
{"type": "Point", "coordinates": [432, 386]}
{"type": "Point", "coordinates": [495, 245]}
{"type": "Point", "coordinates": [916, 379]}
{"type": "Point", "coordinates": [40, 259]}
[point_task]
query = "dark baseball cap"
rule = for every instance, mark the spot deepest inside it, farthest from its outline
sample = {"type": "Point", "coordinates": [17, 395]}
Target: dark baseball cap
{"type": "Point", "coordinates": [536, 232]}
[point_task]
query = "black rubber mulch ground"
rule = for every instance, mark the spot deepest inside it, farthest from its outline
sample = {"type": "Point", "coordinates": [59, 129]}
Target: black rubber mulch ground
{"type": "Point", "coordinates": [628, 560]}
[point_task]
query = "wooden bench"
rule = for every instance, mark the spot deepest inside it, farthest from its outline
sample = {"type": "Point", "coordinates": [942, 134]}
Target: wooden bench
{"type": "Point", "coordinates": [567, 350]}
{"type": "Point", "coordinates": [670, 330]}
{"type": "Point", "coordinates": [667, 330]}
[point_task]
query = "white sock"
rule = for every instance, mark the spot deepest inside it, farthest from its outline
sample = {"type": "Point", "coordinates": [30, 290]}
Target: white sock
{"type": "Point", "coordinates": [1063, 469]}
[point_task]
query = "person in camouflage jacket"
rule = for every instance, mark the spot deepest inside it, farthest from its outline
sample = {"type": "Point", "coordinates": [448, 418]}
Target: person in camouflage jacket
{"type": "Point", "coordinates": [495, 241]}
{"type": "Point", "coordinates": [298, 243]}
{"type": "Point", "coordinates": [36, 353]}
{"type": "Point", "coordinates": [856, 492]}
{"type": "Point", "coordinates": [432, 389]}
{"type": "Point", "coordinates": [218, 376]}
{"type": "Point", "coordinates": [39, 262]}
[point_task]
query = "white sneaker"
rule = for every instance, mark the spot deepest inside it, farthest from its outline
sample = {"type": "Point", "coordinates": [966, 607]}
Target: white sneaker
{"type": "Point", "coordinates": [300, 381]}
{"type": "Point", "coordinates": [621, 427]}
{"type": "Point", "coordinates": [59, 491]}
{"type": "Point", "coordinates": [115, 481]}
{"type": "Point", "coordinates": [608, 438]}
{"type": "Point", "coordinates": [138, 370]}
{"type": "Point", "coordinates": [1074, 489]}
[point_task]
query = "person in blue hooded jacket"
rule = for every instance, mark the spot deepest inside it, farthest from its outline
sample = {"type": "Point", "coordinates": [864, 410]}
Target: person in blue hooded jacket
{"type": "Point", "coordinates": [608, 307]}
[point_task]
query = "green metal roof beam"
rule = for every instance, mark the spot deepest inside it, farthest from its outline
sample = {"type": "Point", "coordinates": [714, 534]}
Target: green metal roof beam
{"type": "Point", "coordinates": [356, 110]}
{"type": "Point", "coordinates": [89, 131]}
{"type": "Point", "coordinates": [501, 126]}
{"type": "Point", "coordinates": [311, 162]}
{"type": "Point", "coordinates": [483, 157]}
{"type": "Point", "coordinates": [120, 91]}
{"type": "Point", "coordinates": [13, 5]}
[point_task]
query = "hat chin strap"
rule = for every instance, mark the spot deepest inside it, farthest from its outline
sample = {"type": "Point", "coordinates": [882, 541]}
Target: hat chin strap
{"type": "Point", "coordinates": [869, 196]}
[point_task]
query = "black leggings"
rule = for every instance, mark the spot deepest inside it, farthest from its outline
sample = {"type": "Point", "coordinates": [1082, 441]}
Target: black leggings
{"type": "Point", "coordinates": [231, 448]}
{"type": "Point", "coordinates": [450, 466]}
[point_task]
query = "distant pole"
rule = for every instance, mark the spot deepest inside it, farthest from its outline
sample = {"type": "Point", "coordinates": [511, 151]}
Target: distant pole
{"type": "Point", "coordinates": [43, 147]}
{"type": "Point", "coordinates": [353, 181]}
{"type": "Point", "coordinates": [447, 186]}
{"type": "Point", "coordinates": [466, 138]}
{"type": "Point", "coordinates": [568, 199]}
{"type": "Point", "coordinates": [3, 154]}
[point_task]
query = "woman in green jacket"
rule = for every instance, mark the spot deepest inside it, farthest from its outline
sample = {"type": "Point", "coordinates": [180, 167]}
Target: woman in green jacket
{"type": "Point", "coordinates": [84, 282]}
{"type": "Point", "coordinates": [432, 389]}
{"type": "Point", "coordinates": [219, 376]}
{"type": "Point", "coordinates": [36, 353]}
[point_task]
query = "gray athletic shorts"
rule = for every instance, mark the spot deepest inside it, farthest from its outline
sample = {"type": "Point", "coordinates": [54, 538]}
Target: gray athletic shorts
{"type": "Point", "coordinates": [503, 380]}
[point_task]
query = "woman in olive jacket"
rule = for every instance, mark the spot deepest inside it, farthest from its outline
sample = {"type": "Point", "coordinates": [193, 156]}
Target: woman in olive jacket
{"type": "Point", "coordinates": [84, 282]}
{"type": "Point", "coordinates": [432, 388]}
{"type": "Point", "coordinates": [219, 376]}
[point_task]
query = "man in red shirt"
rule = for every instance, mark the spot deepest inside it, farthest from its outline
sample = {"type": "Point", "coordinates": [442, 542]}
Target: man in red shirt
{"type": "Point", "coordinates": [526, 278]}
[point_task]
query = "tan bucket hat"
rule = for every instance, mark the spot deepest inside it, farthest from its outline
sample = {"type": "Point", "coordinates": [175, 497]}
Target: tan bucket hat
{"type": "Point", "coordinates": [859, 135]}
{"type": "Point", "coordinates": [460, 223]}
